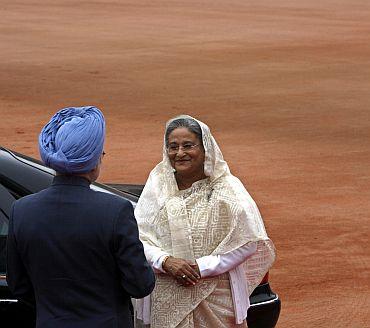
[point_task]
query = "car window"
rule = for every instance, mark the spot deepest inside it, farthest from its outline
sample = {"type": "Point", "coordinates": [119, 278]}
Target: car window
{"type": "Point", "coordinates": [3, 234]}
{"type": "Point", "coordinates": [6, 201]}
{"type": "Point", "coordinates": [3, 224]}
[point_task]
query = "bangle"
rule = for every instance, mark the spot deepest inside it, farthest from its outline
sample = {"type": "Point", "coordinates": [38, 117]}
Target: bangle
{"type": "Point", "coordinates": [164, 262]}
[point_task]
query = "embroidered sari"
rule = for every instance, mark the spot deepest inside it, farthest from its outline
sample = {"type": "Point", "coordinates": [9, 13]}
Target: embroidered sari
{"type": "Point", "coordinates": [213, 217]}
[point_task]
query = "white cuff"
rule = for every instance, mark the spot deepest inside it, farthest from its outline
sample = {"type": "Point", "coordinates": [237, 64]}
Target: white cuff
{"type": "Point", "coordinates": [158, 263]}
{"type": "Point", "coordinates": [214, 265]}
{"type": "Point", "coordinates": [155, 256]}
{"type": "Point", "coordinates": [208, 265]}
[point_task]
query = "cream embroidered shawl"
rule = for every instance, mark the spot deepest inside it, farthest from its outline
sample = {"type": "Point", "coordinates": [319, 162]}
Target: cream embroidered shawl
{"type": "Point", "coordinates": [213, 217]}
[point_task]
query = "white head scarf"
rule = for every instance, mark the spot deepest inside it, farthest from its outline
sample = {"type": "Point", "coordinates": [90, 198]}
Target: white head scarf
{"type": "Point", "coordinates": [161, 183]}
{"type": "Point", "coordinates": [246, 225]}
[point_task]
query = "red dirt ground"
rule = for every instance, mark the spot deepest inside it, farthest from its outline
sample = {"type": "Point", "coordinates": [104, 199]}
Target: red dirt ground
{"type": "Point", "coordinates": [284, 86]}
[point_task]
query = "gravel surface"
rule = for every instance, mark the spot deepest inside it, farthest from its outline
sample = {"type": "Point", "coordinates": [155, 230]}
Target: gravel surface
{"type": "Point", "coordinates": [284, 86]}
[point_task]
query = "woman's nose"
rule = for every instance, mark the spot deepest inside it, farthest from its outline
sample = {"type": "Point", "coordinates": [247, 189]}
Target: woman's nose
{"type": "Point", "coordinates": [180, 152]}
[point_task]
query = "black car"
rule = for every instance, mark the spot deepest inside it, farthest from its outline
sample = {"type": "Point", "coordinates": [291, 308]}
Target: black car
{"type": "Point", "coordinates": [21, 175]}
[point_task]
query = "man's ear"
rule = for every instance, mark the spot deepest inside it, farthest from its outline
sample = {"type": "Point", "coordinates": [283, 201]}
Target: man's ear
{"type": "Point", "coordinates": [94, 173]}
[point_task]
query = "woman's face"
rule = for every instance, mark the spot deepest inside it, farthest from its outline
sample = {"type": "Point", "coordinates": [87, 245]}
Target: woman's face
{"type": "Point", "coordinates": [186, 152]}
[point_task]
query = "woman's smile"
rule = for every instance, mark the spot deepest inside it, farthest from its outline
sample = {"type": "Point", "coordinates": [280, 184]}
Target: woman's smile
{"type": "Point", "coordinates": [182, 161]}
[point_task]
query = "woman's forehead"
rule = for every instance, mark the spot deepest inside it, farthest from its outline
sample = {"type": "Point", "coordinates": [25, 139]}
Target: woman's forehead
{"type": "Point", "coordinates": [182, 134]}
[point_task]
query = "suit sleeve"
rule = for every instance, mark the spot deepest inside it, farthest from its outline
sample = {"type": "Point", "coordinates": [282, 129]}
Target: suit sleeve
{"type": "Point", "coordinates": [17, 277]}
{"type": "Point", "coordinates": [138, 278]}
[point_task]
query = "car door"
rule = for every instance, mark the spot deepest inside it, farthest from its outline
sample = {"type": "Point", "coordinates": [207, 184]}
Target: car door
{"type": "Point", "coordinates": [12, 312]}
{"type": "Point", "coordinates": [6, 201]}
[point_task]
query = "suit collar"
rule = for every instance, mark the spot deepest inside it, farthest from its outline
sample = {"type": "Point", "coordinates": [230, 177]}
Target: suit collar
{"type": "Point", "coordinates": [73, 180]}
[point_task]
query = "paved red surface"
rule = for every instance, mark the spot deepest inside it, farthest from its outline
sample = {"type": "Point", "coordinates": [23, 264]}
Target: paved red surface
{"type": "Point", "coordinates": [284, 86]}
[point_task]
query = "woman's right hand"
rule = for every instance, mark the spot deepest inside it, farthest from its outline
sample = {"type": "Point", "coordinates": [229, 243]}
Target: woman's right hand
{"type": "Point", "coordinates": [182, 270]}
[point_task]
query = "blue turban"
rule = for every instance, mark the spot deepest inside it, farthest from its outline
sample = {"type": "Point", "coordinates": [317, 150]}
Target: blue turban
{"type": "Point", "coordinates": [72, 142]}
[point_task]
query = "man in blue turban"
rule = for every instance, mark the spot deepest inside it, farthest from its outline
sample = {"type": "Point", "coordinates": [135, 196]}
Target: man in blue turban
{"type": "Point", "coordinates": [73, 251]}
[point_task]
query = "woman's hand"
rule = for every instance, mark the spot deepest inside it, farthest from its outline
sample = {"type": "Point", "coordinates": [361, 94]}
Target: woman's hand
{"type": "Point", "coordinates": [185, 272]}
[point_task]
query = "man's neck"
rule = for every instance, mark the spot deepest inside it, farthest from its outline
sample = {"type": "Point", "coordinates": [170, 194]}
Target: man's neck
{"type": "Point", "coordinates": [86, 176]}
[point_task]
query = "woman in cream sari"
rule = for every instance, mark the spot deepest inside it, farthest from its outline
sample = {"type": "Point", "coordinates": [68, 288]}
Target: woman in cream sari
{"type": "Point", "coordinates": [202, 233]}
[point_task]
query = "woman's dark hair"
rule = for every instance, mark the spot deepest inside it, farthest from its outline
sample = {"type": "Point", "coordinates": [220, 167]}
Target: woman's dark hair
{"type": "Point", "coordinates": [184, 122]}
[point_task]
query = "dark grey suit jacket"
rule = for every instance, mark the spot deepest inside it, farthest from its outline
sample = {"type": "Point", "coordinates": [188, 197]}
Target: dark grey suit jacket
{"type": "Point", "coordinates": [76, 253]}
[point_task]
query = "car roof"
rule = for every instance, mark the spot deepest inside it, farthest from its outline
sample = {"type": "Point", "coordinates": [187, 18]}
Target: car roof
{"type": "Point", "coordinates": [29, 175]}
